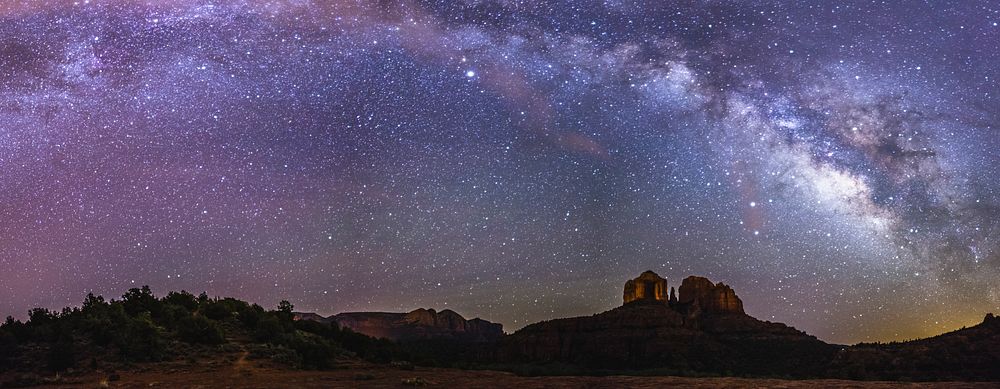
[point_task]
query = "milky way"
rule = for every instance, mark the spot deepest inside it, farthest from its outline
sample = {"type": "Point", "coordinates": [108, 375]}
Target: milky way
{"type": "Point", "coordinates": [836, 164]}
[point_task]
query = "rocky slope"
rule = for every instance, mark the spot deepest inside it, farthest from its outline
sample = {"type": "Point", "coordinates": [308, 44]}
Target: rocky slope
{"type": "Point", "coordinates": [419, 324]}
{"type": "Point", "coordinates": [645, 335]}
{"type": "Point", "coordinates": [705, 330]}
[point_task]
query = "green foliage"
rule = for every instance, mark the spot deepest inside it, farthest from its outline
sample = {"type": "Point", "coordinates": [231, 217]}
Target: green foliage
{"type": "Point", "coordinates": [138, 300]}
{"type": "Point", "coordinates": [181, 299]}
{"type": "Point", "coordinates": [269, 329]}
{"type": "Point", "coordinates": [316, 352]}
{"type": "Point", "coordinates": [199, 329]}
{"type": "Point", "coordinates": [285, 310]}
{"type": "Point", "coordinates": [40, 317]}
{"type": "Point", "coordinates": [215, 310]}
{"type": "Point", "coordinates": [140, 340]}
{"type": "Point", "coordinates": [174, 316]}
{"type": "Point", "coordinates": [102, 320]}
{"type": "Point", "coordinates": [141, 327]}
{"type": "Point", "coordinates": [40, 325]}
{"type": "Point", "coordinates": [250, 315]}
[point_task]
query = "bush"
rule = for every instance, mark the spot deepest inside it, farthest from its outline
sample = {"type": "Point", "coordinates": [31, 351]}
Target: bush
{"type": "Point", "coordinates": [140, 327]}
{"type": "Point", "coordinates": [215, 310]}
{"type": "Point", "coordinates": [268, 329]}
{"type": "Point", "coordinates": [141, 340]}
{"type": "Point", "coordinates": [174, 315]}
{"type": "Point", "coordinates": [138, 300]}
{"type": "Point", "coordinates": [315, 351]}
{"type": "Point", "coordinates": [250, 315]}
{"type": "Point", "coordinates": [199, 329]}
{"type": "Point", "coordinates": [181, 299]}
{"type": "Point", "coordinates": [275, 353]}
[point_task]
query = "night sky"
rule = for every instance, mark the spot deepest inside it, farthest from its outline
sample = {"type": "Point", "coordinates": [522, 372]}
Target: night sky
{"type": "Point", "coordinates": [836, 164]}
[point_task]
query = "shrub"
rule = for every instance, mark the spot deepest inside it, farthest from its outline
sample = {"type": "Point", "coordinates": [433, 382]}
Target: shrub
{"type": "Point", "coordinates": [140, 340]}
{"type": "Point", "coordinates": [315, 351]}
{"type": "Point", "coordinates": [285, 310]}
{"type": "Point", "coordinates": [268, 329]}
{"type": "Point", "coordinates": [138, 300]}
{"type": "Point", "coordinates": [199, 329]}
{"type": "Point", "coordinates": [215, 310]}
{"type": "Point", "coordinates": [250, 315]}
{"type": "Point", "coordinates": [181, 299]}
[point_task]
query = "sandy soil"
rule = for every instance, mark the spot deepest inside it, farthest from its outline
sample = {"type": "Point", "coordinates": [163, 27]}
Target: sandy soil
{"type": "Point", "coordinates": [245, 374]}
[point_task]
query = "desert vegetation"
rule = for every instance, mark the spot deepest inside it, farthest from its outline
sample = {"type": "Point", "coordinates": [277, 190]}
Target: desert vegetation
{"type": "Point", "coordinates": [140, 327]}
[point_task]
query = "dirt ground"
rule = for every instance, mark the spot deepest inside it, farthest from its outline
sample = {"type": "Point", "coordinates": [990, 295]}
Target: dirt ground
{"type": "Point", "coordinates": [244, 374]}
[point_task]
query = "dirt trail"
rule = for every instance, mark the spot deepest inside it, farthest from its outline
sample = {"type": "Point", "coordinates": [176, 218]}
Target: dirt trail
{"type": "Point", "coordinates": [241, 364]}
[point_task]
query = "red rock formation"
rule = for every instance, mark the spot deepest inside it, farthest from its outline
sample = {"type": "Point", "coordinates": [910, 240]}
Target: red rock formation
{"type": "Point", "coordinates": [651, 335]}
{"type": "Point", "coordinates": [648, 286]}
{"type": "Point", "coordinates": [446, 319]}
{"type": "Point", "coordinates": [417, 324]}
{"type": "Point", "coordinates": [374, 324]}
{"type": "Point", "coordinates": [717, 298]}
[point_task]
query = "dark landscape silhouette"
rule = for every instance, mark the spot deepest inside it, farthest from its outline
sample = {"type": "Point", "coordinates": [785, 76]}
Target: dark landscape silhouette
{"type": "Point", "coordinates": [698, 329]}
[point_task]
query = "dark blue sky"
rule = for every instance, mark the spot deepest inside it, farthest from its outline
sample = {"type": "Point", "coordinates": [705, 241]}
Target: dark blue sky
{"type": "Point", "coordinates": [518, 161]}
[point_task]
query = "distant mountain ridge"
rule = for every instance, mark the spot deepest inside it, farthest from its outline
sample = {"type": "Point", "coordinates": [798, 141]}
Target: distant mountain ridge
{"type": "Point", "coordinates": [971, 353]}
{"type": "Point", "coordinates": [419, 324]}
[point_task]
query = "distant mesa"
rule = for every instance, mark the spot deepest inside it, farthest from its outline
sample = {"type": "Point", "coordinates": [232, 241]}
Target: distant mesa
{"type": "Point", "coordinates": [310, 316]}
{"type": "Point", "coordinates": [419, 324]}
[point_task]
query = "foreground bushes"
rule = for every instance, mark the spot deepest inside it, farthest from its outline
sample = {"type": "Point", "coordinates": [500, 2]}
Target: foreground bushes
{"type": "Point", "coordinates": [143, 328]}
{"type": "Point", "coordinates": [199, 329]}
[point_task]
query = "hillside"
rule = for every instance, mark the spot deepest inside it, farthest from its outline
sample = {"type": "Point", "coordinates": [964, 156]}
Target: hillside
{"type": "Point", "coordinates": [967, 354]}
{"type": "Point", "coordinates": [140, 329]}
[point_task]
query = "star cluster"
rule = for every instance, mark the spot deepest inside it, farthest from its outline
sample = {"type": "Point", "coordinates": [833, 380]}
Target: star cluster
{"type": "Point", "coordinates": [835, 162]}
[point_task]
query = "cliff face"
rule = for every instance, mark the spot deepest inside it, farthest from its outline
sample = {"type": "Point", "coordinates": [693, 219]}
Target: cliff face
{"type": "Point", "coordinates": [445, 320]}
{"type": "Point", "coordinates": [648, 286]}
{"type": "Point", "coordinates": [708, 297]}
{"type": "Point", "coordinates": [418, 324]}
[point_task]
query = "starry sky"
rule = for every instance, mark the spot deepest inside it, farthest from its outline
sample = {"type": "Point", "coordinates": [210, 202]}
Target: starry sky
{"type": "Point", "coordinates": [835, 162]}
